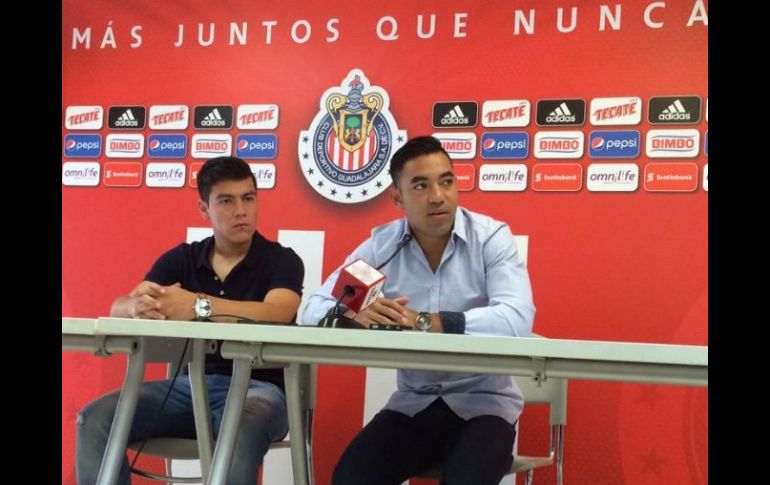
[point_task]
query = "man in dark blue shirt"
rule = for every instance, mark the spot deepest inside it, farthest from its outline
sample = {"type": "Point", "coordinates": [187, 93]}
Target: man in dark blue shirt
{"type": "Point", "coordinates": [234, 275]}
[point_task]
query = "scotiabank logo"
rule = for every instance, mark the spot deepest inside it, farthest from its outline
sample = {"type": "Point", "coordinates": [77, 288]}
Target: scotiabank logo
{"type": "Point", "coordinates": [80, 174]}
{"type": "Point", "coordinates": [674, 110]}
{"type": "Point", "coordinates": [459, 146]}
{"type": "Point", "coordinates": [465, 174]}
{"type": "Point", "coordinates": [84, 117]}
{"type": "Point", "coordinates": [169, 117]}
{"type": "Point", "coordinates": [505, 113]}
{"type": "Point", "coordinates": [125, 146]}
{"type": "Point", "coordinates": [126, 117]}
{"type": "Point", "coordinates": [167, 146]}
{"type": "Point", "coordinates": [557, 177]}
{"type": "Point", "coordinates": [210, 146]}
{"type": "Point", "coordinates": [670, 177]}
{"type": "Point", "coordinates": [672, 143]}
{"type": "Point", "coordinates": [503, 177]}
{"type": "Point", "coordinates": [561, 112]}
{"type": "Point", "coordinates": [167, 175]}
{"type": "Point", "coordinates": [213, 117]}
{"type": "Point", "coordinates": [616, 111]}
{"type": "Point", "coordinates": [257, 116]}
{"type": "Point", "coordinates": [123, 174]}
{"type": "Point", "coordinates": [559, 144]}
{"type": "Point", "coordinates": [195, 167]}
{"type": "Point", "coordinates": [612, 177]}
{"type": "Point", "coordinates": [82, 146]}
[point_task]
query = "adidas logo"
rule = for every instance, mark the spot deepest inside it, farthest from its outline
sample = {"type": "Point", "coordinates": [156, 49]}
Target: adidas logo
{"type": "Point", "coordinates": [455, 116]}
{"type": "Point", "coordinates": [675, 112]}
{"type": "Point", "coordinates": [127, 120]}
{"type": "Point", "coordinates": [213, 119]}
{"type": "Point", "coordinates": [561, 114]}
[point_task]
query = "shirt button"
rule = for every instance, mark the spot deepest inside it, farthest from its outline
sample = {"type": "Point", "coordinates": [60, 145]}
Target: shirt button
{"type": "Point", "coordinates": [221, 292]}
{"type": "Point", "coordinates": [216, 278]}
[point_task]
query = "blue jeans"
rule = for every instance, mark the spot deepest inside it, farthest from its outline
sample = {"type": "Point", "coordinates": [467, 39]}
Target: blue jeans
{"type": "Point", "coordinates": [263, 421]}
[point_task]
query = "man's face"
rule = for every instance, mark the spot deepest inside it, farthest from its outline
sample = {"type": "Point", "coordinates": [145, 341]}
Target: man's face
{"type": "Point", "coordinates": [232, 210]}
{"type": "Point", "coordinates": [427, 193]}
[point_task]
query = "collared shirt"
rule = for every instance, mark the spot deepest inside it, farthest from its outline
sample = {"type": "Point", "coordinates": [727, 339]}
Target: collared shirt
{"type": "Point", "coordinates": [482, 275]}
{"type": "Point", "coordinates": [266, 266]}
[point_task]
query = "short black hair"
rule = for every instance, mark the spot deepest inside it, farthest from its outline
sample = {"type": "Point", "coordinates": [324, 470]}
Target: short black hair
{"type": "Point", "coordinates": [218, 169]}
{"type": "Point", "coordinates": [415, 147]}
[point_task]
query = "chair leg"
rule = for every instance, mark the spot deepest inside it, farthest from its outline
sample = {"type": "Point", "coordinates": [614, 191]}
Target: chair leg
{"type": "Point", "coordinates": [528, 478]}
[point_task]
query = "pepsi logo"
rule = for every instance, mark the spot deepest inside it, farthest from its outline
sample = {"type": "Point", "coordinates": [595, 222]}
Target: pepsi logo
{"type": "Point", "coordinates": [71, 144]}
{"type": "Point", "coordinates": [597, 142]}
{"type": "Point", "coordinates": [489, 143]}
{"type": "Point", "coordinates": [243, 144]}
{"type": "Point", "coordinates": [154, 144]}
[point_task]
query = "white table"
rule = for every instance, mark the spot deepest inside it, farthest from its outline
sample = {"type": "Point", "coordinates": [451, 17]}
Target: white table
{"type": "Point", "coordinates": [299, 346]}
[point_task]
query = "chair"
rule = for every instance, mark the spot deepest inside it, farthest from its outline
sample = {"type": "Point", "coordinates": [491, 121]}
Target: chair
{"type": "Point", "coordinates": [188, 449]}
{"type": "Point", "coordinates": [551, 391]}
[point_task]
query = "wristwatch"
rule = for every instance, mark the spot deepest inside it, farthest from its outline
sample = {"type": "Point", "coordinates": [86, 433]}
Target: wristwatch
{"type": "Point", "coordinates": [202, 307]}
{"type": "Point", "coordinates": [423, 321]}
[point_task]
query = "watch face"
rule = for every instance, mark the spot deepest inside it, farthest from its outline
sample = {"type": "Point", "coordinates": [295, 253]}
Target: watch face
{"type": "Point", "coordinates": [202, 307]}
{"type": "Point", "coordinates": [423, 321]}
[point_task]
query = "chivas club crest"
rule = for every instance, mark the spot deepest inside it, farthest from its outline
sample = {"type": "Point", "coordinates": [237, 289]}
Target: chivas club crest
{"type": "Point", "coordinates": [345, 154]}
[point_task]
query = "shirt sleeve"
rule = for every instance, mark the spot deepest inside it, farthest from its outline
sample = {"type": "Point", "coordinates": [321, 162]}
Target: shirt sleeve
{"type": "Point", "coordinates": [167, 269]}
{"type": "Point", "coordinates": [286, 271]}
{"type": "Point", "coordinates": [322, 300]}
{"type": "Point", "coordinates": [510, 311]}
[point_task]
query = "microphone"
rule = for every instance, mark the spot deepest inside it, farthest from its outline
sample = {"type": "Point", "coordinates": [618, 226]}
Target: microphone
{"type": "Point", "coordinates": [360, 282]}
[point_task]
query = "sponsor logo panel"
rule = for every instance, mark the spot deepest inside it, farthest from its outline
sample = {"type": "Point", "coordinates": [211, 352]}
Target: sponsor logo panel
{"type": "Point", "coordinates": [84, 117]}
{"type": "Point", "coordinates": [126, 117]}
{"type": "Point", "coordinates": [674, 110]}
{"type": "Point", "coordinates": [256, 146]}
{"type": "Point", "coordinates": [559, 144]}
{"type": "Point", "coordinates": [167, 146]}
{"type": "Point", "coordinates": [455, 114]}
{"type": "Point", "coordinates": [616, 111]}
{"type": "Point", "coordinates": [612, 177]}
{"type": "Point", "coordinates": [127, 145]}
{"type": "Point", "coordinates": [265, 175]}
{"type": "Point", "coordinates": [80, 174]}
{"type": "Point", "coordinates": [210, 146]}
{"type": "Point", "coordinates": [257, 116]}
{"type": "Point", "coordinates": [557, 177]}
{"type": "Point", "coordinates": [505, 144]}
{"type": "Point", "coordinates": [466, 176]}
{"type": "Point", "coordinates": [169, 117]}
{"type": "Point", "coordinates": [195, 167]}
{"type": "Point", "coordinates": [82, 146]}
{"type": "Point", "coordinates": [459, 146]}
{"type": "Point", "coordinates": [706, 177]}
{"type": "Point", "coordinates": [123, 174]}
{"type": "Point", "coordinates": [672, 143]}
{"type": "Point", "coordinates": [506, 113]}
{"type": "Point", "coordinates": [503, 177]}
{"type": "Point", "coordinates": [670, 177]}
{"type": "Point", "coordinates": [345, 152]}
{"type": "Point", "coordinates": [561, 112]}
{"type": "Point", "coordinates": [213, 117]}
{"type": "Point", "coordinates": [706, 144]}
{"type": "Point", "coordinates": [614, 144]}
{"type": "Point", "coordinates": [165, 174]}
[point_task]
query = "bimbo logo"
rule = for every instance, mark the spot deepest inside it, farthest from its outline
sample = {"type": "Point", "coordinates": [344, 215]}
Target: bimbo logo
{"type": "Point", "coordinates": [345, 153]}
{"type": "Point", "coordinates": [672, 143]}
{"type": "Point", "coordinates": [210, 146]}
{"type": "Point", "coordinates": [459, 146]}
{"type": "Point", "coordinates": [559, 144]}
{"type": "Point", "coordinates": [125, 146]}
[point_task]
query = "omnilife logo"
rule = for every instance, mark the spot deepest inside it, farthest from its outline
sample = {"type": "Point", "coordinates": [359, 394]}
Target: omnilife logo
{"type": "Point", "coordinates": [455, 114]}
{"type": "Point", "coordinates": [503, 177]}
{"type": "Point", "coordinates": [126, 117]}
{"type": "Point", "coordinates": [561, 112]}
{"type": "Point", "coordinates": [165, 175]}
{"type": "Point", "coordinates": [612, 177]}
{"type": "Point", "coordinates": [80, 174]}
{"type": "Point", "coordinates": [674, 110]}
{"type": "Point", "coordinates": [213, 117]}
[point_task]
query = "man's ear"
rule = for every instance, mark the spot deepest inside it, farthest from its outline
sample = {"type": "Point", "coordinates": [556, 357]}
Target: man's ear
{"type": "Point", "coordinates": [203, 208]}
{"type": "Point", "coordinates": [395, 196]}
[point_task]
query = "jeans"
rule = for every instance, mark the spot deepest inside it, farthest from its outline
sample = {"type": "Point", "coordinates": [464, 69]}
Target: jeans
{"type": "Point", "coordinates": [394, 447]}
{"type": "Point", "coordinates": [263, 421]}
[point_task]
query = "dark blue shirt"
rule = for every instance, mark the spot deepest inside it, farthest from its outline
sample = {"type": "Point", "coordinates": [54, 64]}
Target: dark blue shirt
{"type": "Point", "coordinates": [266, 266]}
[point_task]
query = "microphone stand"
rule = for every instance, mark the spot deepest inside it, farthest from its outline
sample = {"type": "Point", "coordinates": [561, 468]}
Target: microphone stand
{"type": "Point", "coordinates": [334, 318]}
